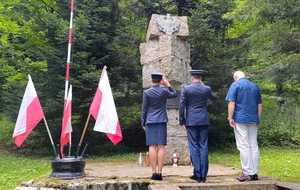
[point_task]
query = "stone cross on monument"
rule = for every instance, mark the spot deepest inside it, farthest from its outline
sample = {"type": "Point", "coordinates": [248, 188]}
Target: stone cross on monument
{"type": "Point", "coordinates": [166, 50]}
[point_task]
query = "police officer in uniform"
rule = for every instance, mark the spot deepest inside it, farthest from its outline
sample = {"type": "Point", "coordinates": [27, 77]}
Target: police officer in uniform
{"type": "Point", "coordinates": [194, 116]}
{"type": "Point", "coordinates": [154, 119]}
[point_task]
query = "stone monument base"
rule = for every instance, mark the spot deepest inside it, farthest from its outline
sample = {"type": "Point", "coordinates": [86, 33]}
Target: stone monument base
{"type": "Point", "coordinates": [176, 140]}
{"type": "Point", "coordinates": [177, 145]}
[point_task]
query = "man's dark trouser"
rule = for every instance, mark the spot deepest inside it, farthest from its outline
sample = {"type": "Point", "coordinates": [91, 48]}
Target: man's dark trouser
{"type": "Point", "coordinates": [197, 139]}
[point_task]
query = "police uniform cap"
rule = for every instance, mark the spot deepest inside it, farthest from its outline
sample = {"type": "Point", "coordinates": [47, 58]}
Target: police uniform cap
{"type": "Point", "coordinates": [157, 76]}
{"type": "Point", "coordinates": [197, 72]}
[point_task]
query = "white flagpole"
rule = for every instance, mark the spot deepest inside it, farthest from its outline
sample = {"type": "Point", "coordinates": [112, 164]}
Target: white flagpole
{"type": "Point", "coordinates": [50, 136]}
{"type": "Point", "coordinates": [70, 40]}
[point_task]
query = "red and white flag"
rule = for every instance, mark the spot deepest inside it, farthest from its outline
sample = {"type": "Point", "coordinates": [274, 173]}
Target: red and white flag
{"type": "Point", "coordinates": [66, 130]}
{"type": "Point", "coordinates": [30, 114]}
{"type": "Point", "coordinates": [104, 111]}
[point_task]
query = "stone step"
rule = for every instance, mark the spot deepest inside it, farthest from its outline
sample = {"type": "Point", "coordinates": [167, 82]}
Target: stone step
{"type": "Point", "coordinates": [244, 186]}
{"type": "Point", "coordinates": [163, 185]}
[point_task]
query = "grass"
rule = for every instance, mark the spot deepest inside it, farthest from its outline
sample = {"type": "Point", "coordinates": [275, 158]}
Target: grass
{"type": "Point", "coordinates": [17, 169]}
{"type": "Point", "coordinates": [126, 157]}
{"type": "Point", "coordinates": [281, 164]}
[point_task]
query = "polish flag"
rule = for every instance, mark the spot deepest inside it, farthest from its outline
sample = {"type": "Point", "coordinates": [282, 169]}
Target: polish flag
{"type": "Point", "coordinates": [66, 130]}
{"type": "Point", "coordinates": [103, 110]}
{"type": "Point", "coordinates": [30, 114]}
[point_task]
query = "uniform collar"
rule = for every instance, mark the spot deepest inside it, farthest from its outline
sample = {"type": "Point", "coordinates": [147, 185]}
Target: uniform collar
{"type": "Point", "coordinates": [200, 82]}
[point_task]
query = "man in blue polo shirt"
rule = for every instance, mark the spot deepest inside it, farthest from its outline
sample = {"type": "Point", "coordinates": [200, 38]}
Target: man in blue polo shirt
{"type": "Point", "coordinates": [244, 110]}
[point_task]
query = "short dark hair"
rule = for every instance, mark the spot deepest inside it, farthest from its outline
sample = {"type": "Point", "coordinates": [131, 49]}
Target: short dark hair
{"type": "Point", "coordinates": [197, 76]}
{"type": "Point", "coordinates": [156, 80]}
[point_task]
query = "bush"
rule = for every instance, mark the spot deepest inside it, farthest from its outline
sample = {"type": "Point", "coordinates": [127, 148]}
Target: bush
{"type": "Point", "coordinates": [34, 144]}
{"type": "Point", "coordinates": [280, 123]}
{"type": "Point", "coordinates": [220, 133]}
{"type": "Point", "coordinates": [6, 131]}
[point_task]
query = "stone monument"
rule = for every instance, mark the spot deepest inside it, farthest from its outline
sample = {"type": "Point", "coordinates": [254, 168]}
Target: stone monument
{"type": "Point", "coordinates": [166, 50]}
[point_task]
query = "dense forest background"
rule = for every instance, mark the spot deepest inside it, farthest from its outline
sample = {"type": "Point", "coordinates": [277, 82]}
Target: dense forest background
{"type": "Point", "coordinates": [261, 37]}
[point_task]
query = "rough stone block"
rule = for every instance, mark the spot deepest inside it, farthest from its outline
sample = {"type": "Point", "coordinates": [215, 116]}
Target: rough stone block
{"type": "Point", "coordinates": [26, 188]}
{"type": "Point", "coordinates": [160, 23]}
{"type": "Point", "coordinates": [163, 187]}
{"type": "Point", "coordinates": [166, 50]}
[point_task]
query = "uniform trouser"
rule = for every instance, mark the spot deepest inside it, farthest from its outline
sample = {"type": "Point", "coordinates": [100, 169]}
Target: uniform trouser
{"type": "Point", "coordinates": [246, 142]}
{"type": "Point", "coordinates": [197, 140]}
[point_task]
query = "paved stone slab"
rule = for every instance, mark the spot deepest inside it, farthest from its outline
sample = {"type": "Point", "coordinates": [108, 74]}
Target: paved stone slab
{"type": "Point", "coordinates": [125, 176]}
{"type": "Point", "coordinates": [35, 188]}
{"type": "Point", "coordinates": [264, 185]}
{"type": "Point", "coordinates": [163, 187]}
{"type": "Point", "coordinates": [132, 170]}
{"type": "Point", "coordinates": [284, 185]}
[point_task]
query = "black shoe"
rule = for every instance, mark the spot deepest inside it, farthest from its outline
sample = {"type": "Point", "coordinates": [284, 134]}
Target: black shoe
{"type": "Point", "coordinates": [159, 177]}
{"type": "Point", "coordinates": [154, 176]}
{"type": "Point", "coordinates": [203, 179]}
{"type": "Point", "coordinates": [199, 179]}
{"type": "Point", "coordinates": [193, 177]}
{"type": "Point", "coordinates": [254, 177]}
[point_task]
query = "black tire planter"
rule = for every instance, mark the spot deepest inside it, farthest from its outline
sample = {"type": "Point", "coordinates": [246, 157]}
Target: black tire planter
{"type": "Point", "coordinates": [68, 168]}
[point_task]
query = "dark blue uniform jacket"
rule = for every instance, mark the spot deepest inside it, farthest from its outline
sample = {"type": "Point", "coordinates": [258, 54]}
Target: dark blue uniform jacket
{"type": "Point", "coordinates": [154, 108]}
{"type": "Point", "coordinates": [193, 104]}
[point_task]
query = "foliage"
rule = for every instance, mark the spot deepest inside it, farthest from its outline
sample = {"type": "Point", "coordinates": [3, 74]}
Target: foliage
{"type": "Point", "coordinates": [22, 47]}
{"type": "Point", "coordinates": [6, 131]}
{"type": "Point", "coordinates": [210, 51]}
{"type": "Point", "coordinates": [260, 37]}
{"type": "Point", "coordinates": [266, 45]}
{"type": "Point", "coordinates": [281, 125]}
{"type": "Point", "coordinates": [98, 42]}
{"type": "Point", "coordinates": [269, 33]}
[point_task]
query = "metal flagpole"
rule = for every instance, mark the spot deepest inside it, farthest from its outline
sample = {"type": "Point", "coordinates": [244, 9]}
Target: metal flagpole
{"type": "Point", "coordinates": [50, 136]}
{"type": "Point", "coordinates": [83, 133]}
{"type": "Point", "coordinates": [70, 39]}
{"type": "Point", "coordinates": [84, 149]}
{"type": "Point", "coordinates": [70, 144]}
{"type": "Point", "coordinates": [86, 125]}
